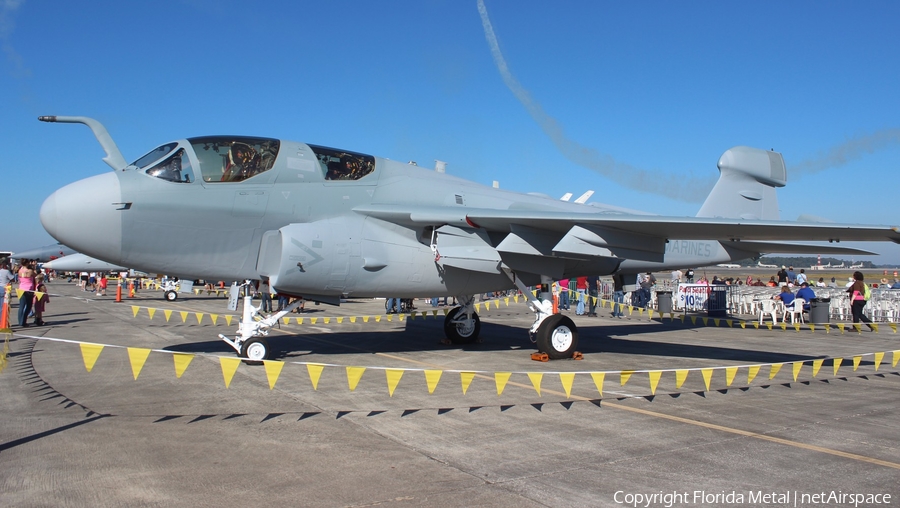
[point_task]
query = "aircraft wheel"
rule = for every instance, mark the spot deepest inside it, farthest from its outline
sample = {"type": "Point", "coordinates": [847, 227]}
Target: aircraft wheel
{"type": "Point", "coordinates": [557, 336]}
{"type": "Point", "coordinates": [464, 332]}
{"type": "Point", "coordinates": [255, 351]}
{"type": "Point", "coordinates": [171, 296]}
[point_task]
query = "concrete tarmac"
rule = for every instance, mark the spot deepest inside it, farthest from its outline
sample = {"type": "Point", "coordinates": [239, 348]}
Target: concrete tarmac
{"type": "Point", "coordinates": [69, 437]}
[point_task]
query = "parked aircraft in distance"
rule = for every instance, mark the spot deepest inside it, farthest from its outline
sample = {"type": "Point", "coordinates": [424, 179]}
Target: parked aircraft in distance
{"type": "Point", "coordinates": [322, 222]}
{"type": "Point", "coordinates": [759, 264]}
{"type": "Point", "coordinates": [728, 265]}
{"type": "Point", "coordinates": [79, 262]}
{"type": "Point", "coordinates": [45, 253]}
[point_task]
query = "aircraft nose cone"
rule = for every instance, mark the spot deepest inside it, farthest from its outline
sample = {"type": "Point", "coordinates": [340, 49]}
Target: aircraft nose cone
{"type": "Point", "coordinates": [84, 216]}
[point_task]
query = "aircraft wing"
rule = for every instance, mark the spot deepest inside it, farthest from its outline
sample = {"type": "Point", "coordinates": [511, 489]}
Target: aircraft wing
{"type": "Point", "coordinates": [617, 235]}
{"type": "Point", "coordinates": [639, 226]}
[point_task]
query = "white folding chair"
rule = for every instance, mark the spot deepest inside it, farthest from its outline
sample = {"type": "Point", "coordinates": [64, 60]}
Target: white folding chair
{"type": "Point", "coordinates": [795, 309]}
{"type": "Point", "coordinates": [768, 307]}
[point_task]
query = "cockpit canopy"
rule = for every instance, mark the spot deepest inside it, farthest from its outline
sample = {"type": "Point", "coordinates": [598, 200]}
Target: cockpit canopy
{"type": "Point", "coordinates": [233, 158]}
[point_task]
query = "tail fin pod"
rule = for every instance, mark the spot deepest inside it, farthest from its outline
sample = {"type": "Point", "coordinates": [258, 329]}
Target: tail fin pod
{"type": "Point", "coordinates": [746, 186]}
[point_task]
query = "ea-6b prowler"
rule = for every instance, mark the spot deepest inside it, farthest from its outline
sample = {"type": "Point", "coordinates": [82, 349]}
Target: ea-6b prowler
{"type": "Point", "coordinates": [323, 222]}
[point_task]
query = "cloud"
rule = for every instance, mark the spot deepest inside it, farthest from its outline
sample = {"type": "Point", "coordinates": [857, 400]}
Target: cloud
{"type": "Point", "coordinates": [690, 189]}
{"type": "Point", "coordinates": [7, 26]}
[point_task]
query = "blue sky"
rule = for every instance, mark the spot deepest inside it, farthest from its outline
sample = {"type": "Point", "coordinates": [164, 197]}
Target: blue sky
{"type": "Point", "coordinates": [661, 87]}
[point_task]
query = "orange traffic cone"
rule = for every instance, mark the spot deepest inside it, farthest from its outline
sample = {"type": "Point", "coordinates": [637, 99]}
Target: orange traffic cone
{"type": "Point", "coordinates": [119, 292]}
{"type": "Point", "coordinates": [131, 290]}
{"type": "Point", "coordinates": [4, 315]}
{"type": "Point", "coordinates": [556, 304]}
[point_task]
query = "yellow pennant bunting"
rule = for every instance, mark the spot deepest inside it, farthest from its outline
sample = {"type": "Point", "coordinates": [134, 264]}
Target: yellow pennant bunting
{"type": "Point", "coordinates": [896, 357]}
{"type": "Point", "coordinates": [797, 326]}
{"type": "Point", "coordinates": [730, 372]}
{"type": "Point", "coordinates": [339, 320]}
{"type": "Point", "coordinates": [354, 374]}
{"type": "Point", "coordinates": [784, 327]}
{"type": "Point", "coordinates": [326, 320]}
{"type": "Point", "coordinates": [752, 371]}
{"type": "Point", "coordinates": [654, 380]}
{"type": "Point", "coordinates": [389, 317]}
{"type": "Point", "coordinates": [365, 319]}
{"type": "Point", "coordinates": [506, 301]}
{"type": "Point", "coordinates": [135, 309]}
{"type": "Point", "coordinates": [827, 328]}
{"type": "Point", "coordinates": [432, 377]}
{"type": "Point", "coordinates": [874, 327]}
{"type": "Point", "coordinates": [286, 320]}
{"type": "Point", "coordinates": [857, 327]}
{"type": "Point", "coordinates": [796, 370]}
{"type": "Point", "coordinates": [756, 325]}
{"type": "Point", "coordinates": [705, 321]}
{"type": "Point", "coordinates": [229, 367]}
{"type": "Point", "coordinates": [773, 370]}
{"type": "Point", "coordinates": [878, 358]}
{"type": "Point", "coordinates": [649, 313]}
{"type": "Point", "coordinates": [640, 311]}
{"type": "Point", "coordinates": [624, 376]}
{"type": "Point", "coordinates": [730, 323]}
{"type": "Point", "coordinates": [352, 319]}
{"type": "Point", "coordinates": [500, 378]}
{"type": "Point", "coordinates": [536, 378]}
{"type": "Point", "coordinates": [228, 318]}
{"type": "Point", "coordinates": [299, 320]}
{"type": "Point", "coordinates": [199, 317]}
{"type": "Point", "coordinates": [567, 379]}
{"type": "Point", "coordinates": [182, 360]}
{"type": "Point", "coordinates": [466, 379]}
{"type": "Point", "coordinates": [400, 317]}
{"type": "Point", "coordinates": [184, 315]}
{"type": "Point", "coordinates": [19, 293]}
{"type": "Point", "coordinates": [893, 327]}
{"type": "Point", "coordinates": [716, 322]}
{"type": "Point", "coordinates": [812, 327]}
{"type": "Point", "coordinates": [856, 360]}
{"type": "Point", "coordinates": [273, 370]}
{"type": "Point", "coordinates": [315, 372]}
{"type": "Point", "coordinates": [769, 326]}
{"type": "Point", "coordinates": [313, 320]}
{"type": "Point", "coordinates": [707, 376]}
{"type": "Point", "coordinates": [393, 379]}
{"type": "Point", "coordinates": [680, 376]}
{"type": "Point", "coordinates": [168, 314]}
{"type": "Point", "coordinates": [214, 317]}
{"type": "Point", "coordinates": [598, 380]}
{"type": "Point", "coordinates": [694, 320]}
{"type": "Point", "coordinates": [137, 357]}
{"type": "Point", "coordinates": [477, 307]}
{"type": "Point", "coordinates": [817, 364]}
{"type": "Point", "coordinates": [151, 312]}
{"type": "Point", "coordinates": [841, 327]}
{"type": "Point", "coordinates": [90, 353]}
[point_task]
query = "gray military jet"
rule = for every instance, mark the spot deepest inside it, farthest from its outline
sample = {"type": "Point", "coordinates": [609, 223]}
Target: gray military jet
{"type": "Point", "coordinates": [322, 222]}
{"type": "Point", "coordinates": [45, 253]}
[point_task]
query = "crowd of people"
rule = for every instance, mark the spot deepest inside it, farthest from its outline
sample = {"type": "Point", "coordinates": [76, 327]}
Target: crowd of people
{"type": "Point", "coordinates": [29, 289]}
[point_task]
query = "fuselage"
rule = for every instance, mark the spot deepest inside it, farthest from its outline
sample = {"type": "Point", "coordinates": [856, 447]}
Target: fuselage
{"type": "Point", "coordinates": [236, 207]}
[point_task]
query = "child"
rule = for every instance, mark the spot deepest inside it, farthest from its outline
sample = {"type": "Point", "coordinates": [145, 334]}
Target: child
{"type": "Point", "coordinates": [101, 289]}
{"type": "Point", "coordinates": [39, 302]}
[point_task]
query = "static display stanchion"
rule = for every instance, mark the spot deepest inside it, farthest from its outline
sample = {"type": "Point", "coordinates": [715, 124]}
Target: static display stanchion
{"type": "Point", "coordinates": [4, 317]}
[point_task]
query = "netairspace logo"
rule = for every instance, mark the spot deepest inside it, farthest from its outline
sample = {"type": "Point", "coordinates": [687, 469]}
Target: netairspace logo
{"type": "Point", "coordinates": [756, 498]}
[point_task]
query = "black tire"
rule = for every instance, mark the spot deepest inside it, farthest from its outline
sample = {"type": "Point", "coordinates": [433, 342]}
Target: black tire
{"type": "Point", "coordinates": [460, 333]}
{"type": "Point", "coordinates": [558, 337]}
{"type": "Point", "coordinates": [255, 351]}
{"type": "Point", "coordinates": [171, 296]}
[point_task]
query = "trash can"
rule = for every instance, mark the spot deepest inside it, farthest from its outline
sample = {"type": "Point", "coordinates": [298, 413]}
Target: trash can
{"type": "Point", "coordinates": [717, 304]}
{"type": "Point", "coordinates": [664, 302]}
{"type": "Point", "coordinates": [819, 310]}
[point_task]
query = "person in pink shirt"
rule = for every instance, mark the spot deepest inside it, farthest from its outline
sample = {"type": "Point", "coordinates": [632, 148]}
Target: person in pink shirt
{"type": "Point", "coordinates": [26, 285]}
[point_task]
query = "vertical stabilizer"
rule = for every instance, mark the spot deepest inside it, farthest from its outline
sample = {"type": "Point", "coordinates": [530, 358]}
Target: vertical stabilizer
{"type": "Point", "coordinates": [746, 186]}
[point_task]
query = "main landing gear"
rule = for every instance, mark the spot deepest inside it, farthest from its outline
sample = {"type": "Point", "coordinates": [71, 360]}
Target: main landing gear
{"type": "Point", "coordinates": [554, 334]}
{"type": "Point", "coordinates": [462, 326]}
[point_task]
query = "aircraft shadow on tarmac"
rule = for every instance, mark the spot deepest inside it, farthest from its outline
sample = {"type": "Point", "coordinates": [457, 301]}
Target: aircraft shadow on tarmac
{"type": "Point", "coordinates": [428, 335]}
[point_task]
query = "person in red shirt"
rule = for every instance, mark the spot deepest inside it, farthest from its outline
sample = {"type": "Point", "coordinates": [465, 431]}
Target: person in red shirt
{"type": "Point", "coordinates": [581, 284]}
